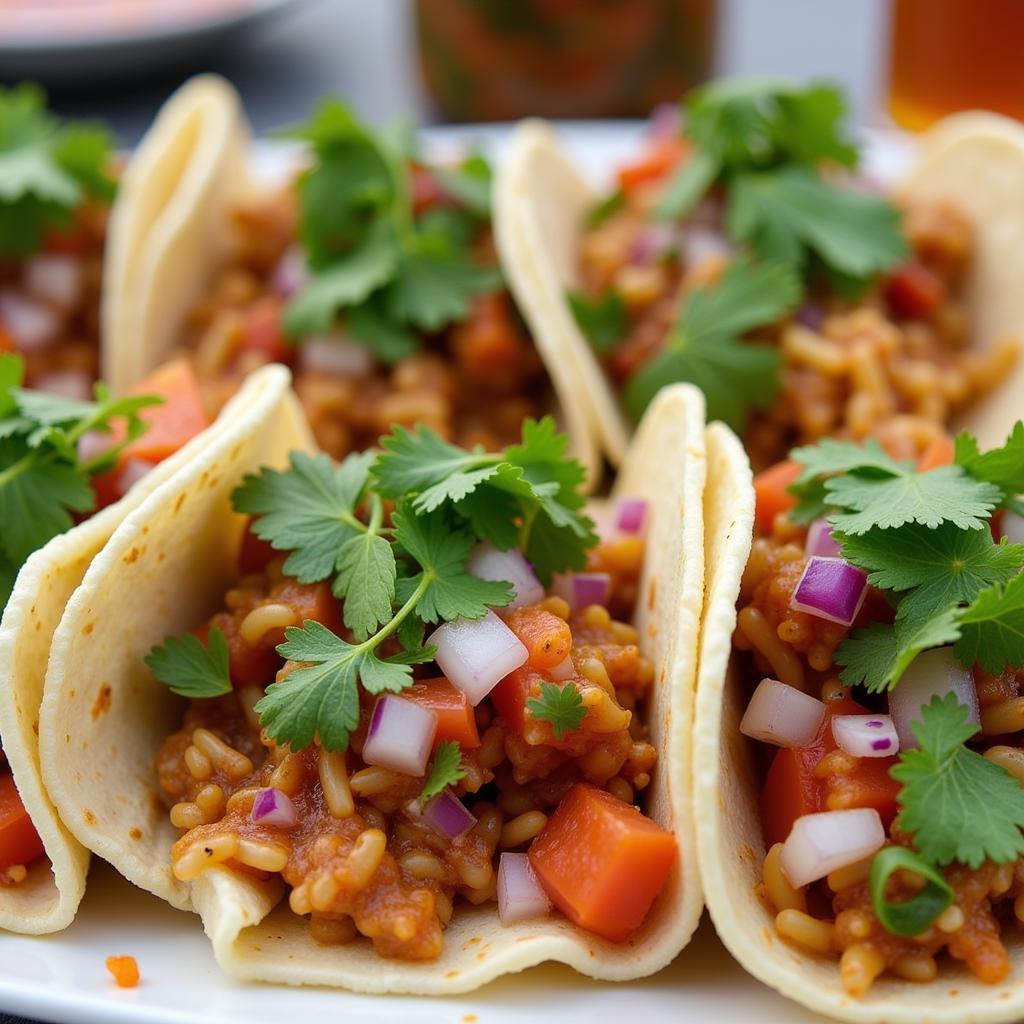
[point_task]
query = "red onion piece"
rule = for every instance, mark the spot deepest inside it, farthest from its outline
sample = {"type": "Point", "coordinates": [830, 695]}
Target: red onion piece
{"type": "Point", "coordinates": [274, 807]}
{"type": "Point", "coordinates": [666, 121]}
{"type": "Point", "coordinates": [782, 714]}
{"type": "Point", "coordinates": [134, 470]}
{"type": "Point", "coordinates": [819, 844]}
{"type": "Point", "coordinates": [401, 735]}
{"type": "Point", "coordinates": [335, 356]}
{"type": "Point", "coordinates": [832, 589]}
{"type": "Point", "coordinates": [631, 515]}
{"type": "Point", "coordinates": [488, 563]}
{"type": "Point", "coordinates": [520, 896]}
{"type": "Point", "coordinates": [651, 243]}
{"type": "Point", "coordinates": [476, 654]}
{"type": "Point", "coordinates": [56, 278]}
{"type": "Point", "coordinates": [73, 384]}
{"type": "Point", "coordinates": [1012, 527]}
{"type": "Point", "coordinates": [563, 671]}
{"type": "Point", "coordinates": [447, 815]}
{"type": "Point", "coordinates": [92, 444]}
{"type": "Point", "coordinates": [811, 315]}
{"type": "Point", "coordinates": [866, 735]}
{"type": "Point", "coordinates": [291, 273]}
{"type": "Point", "coordinates": [582, 589]}
{"type": "Point", "coordinates": [820, 540]}
{"type": "Point", "coordinates": [931, 674]}
{"type": "Point", "coordinates": [32, 325]}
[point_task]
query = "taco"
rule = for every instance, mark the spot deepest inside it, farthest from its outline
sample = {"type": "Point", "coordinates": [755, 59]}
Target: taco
{"type": "Point", "coordinates": [370, 271]}
{"type": "Point", "coordinates": [743, 252]}
{"type": "Point", "coordinates": [433, 780]}
{"type": "Point", "coordinates": [70, 472]}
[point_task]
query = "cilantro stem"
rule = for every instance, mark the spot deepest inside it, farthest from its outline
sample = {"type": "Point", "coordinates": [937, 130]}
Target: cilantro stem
{"type": "Point", "coordinates": [372, 643]}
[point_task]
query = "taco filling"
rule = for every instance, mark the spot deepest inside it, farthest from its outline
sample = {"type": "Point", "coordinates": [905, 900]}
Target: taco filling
{"type": "Point", "coordinates": [421, 691]}
{"type": "Point", "coordinates": [880, 633]}
{"type": "Point", "coordinates": [373, 275]}
{"type": "Point", "coordinates": [852, 311]}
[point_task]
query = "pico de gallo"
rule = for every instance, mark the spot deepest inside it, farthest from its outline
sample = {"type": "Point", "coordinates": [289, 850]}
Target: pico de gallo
{"type": "Point", "coordinates": [880, 630]}
{"type": "Point", "coordinates": [745, 253]}
{"type": "Point", "coordinates": [373, 275]}
{"type": "Point", "coordinates": [416, 696]}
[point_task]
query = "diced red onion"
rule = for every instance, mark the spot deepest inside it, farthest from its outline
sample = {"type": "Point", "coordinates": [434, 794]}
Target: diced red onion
{"type": "Point", "coordinates": [563, 671]}
{"type": "Point", "coordinates": [335, 356]}
{"type": "Point", "coordinates": [447, 815]}
{"type": "Point", "coordinates": [520, 896]}
{"type": "Point", "coordinates": [55, 278]}
{"type": "Point", "coordinates": [819, 844]}
{"type": "Point", "coordinates": [401, 735]}
{"type": "Point", "coordinates": [782, 714]}
{"type": "Point", "coordinates": [582, 589]}
{"type": "Point", "coordinates": [291, 273]}
{"type": "Point", "coordinates": [32, 325]}
{"type": "Point", "coordinates": [931, 674]}
{"type": "Point", "coordinates": [820, 540]}
{"type": "Point", "coordinates": [1012, 527]}
{"type": "Point", "coordinates": [134, 470]}
{"type": "Point", "coordinates": [274, 807]}
{"type": "Point", "coordinates": [488, 563]}
{"type": "Point", "coordinates": [476, 654]}
{"type": "Point", "coordinates": [666, 121]}
{"type": "Point", "coordinates": [631, 515]}
{"type": "Point", "coordinates": [830, 588]}
{"type": "Point", "coordinates": [811, 315]}
{"type": "Point", "coordinates": [92, 444]}
{"type": "Point", "coordinates": [866, 735]}
{"type": "Point", "coordinates": [651, 243]}
{"type": "Point", "coordinates": [66, 383]}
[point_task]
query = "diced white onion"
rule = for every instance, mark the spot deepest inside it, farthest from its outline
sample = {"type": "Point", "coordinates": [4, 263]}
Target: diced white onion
{"type": "Point", "coordinates": [401, 735]}
{"type": "Point", "coordinates": [520, 896]}
{"type": "Point", "coordinates": [782, 714]}
{"type": "Point", "coordinates": [933, 673]}
{"type": "Point", "coordinates": [819, 844]}
{"type": "Point", "coordinates": [476, 654]}
{"type": "Point", "coordinates": [66, 383]}
{"type": "Point", "coordinates": [291, 273]}
{"type": "Point", "coordinates": [93, 443]}
{"type": "Point", "coordinates": [488, 563]}
{"type": "Point", "coordinates": [702, 243]}
{"type": "Point", "coordinates": [32, 325]}
{"type": "Point", "coordinates": [335, 356]}
{"type": "Point", "coordinates": [563, 671]}
{"type": "Point", "coordinates": [866, 735]}
{"type": "Point", "coordinates": [56, 278]}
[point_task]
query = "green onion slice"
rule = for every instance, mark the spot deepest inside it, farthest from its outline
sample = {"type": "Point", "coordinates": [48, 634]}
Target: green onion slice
{"type": "Point", "coordinates": [912, 916]}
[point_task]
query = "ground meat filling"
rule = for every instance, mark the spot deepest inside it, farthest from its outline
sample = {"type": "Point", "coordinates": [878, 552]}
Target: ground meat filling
{"type": "Point", "coordinates": [360, 860]}
{"type": "Point", "coordinates": [473, 383]}
{"type": "Point", "coordinates": [845, 365]}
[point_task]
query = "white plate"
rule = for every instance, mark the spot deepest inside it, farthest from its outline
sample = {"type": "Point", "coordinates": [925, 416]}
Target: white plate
{"type": "Point", "coordinates": [62, 978]}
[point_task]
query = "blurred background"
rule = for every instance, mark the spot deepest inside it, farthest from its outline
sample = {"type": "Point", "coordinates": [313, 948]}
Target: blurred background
{"type": "Point", "coordinates": [468, 60]}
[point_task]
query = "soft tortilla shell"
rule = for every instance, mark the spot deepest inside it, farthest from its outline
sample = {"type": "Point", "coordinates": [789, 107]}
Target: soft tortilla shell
{"type": "Point", "coordinates": [103, 716]}
{"type": "Point", "coordinates": [134, 605]}
{"type": "Point", "coordinates": [977, 162]}
{"type": "Point", "coordinates": [165, 235]}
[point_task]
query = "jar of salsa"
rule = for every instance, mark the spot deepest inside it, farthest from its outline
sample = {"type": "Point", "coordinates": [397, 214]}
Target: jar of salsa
{"type": "Point", "coordinates": [495, 60]}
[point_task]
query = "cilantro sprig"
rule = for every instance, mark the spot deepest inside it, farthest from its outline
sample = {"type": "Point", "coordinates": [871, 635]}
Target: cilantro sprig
{"type": "Point", "coordinates": [47, 168]}
{"type": "Point", "coordinates": [43, 479]}
{"type": "Point", "coordinates": [562, 706]}
{"type": "Point", "coordinates": [445, 770]}
{"type": "Point", "coordinates": [766, 144]}
{"type": "Point", "coordinates": [191, 668]}
{"type": "Point", "coordinates": [388, 271]}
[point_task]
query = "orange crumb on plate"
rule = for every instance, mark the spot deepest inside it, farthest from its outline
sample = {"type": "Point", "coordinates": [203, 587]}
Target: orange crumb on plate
{"type": "Point", "coordinates": [124, 969]}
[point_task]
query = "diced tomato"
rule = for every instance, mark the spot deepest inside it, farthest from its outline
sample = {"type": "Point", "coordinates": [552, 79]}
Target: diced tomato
{"type": "Point", "coordinates": [426, 190]}
{"type": "Point", "coordinates": [489, 345]}
{"type": "Point", "coordinates": [310, 601]}
{"type": "Point", "coordinates": [455, 718]}
{"type": "Point", "coordinates": [6, 341]}
{"type": "Point", "coordinates": [662, 156]}
{"type": "Point", "coordinates": [264, 332]}
{"type": "Point", "coordinates": [19, 841]}
{"type": "Point", "coordinates": [791, 789]}
{"type": "Point", "coordinates": [913, 291]}
{"type": "Point", "coordinates": [174, 422]}
{"type": "Point", "coordinates": [939, 453]}
{"type": "Point", "coordinates": [255, 554]}
{"type": "Point", "coordinates": [602, 862]}
{"type": "Point", "coordinates": [546, 637]}
{"type": "Point", "coordinates": [510, 695]}
{"type": "Point", "coordinates": [247, 665]}
{"type": "Point", "coordinates": [772, 494]}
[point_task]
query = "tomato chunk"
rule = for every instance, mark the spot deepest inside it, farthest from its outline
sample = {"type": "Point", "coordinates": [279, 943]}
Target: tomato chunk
{"type": "Point", "coordinates": [6, 341]}
{"type": "Point", "coordinates": [661, 157]}
{"type": "Point", "coordinates": [264, 332]}
{"type": "Point", "coordinates": [19, 841]}
{"type": "Point", "coordinates": [602, 862]}
{"type": "Point", "coordinates": [791, 789]}
{"type": "Point", "coordinates": [510, 695]}
{"type": "Point", "coordinates": [310, 601]}
{"type": "Point", "coordinates": [547, 637]}
{"type": "Point", "coordinates": [455, 718]}
{"type": "Point", "coordinates": [939, 453]}
{"type": "Point", "coordinates": [255, 554]}
{"type": "Point", "coordinates": [772, 495]}
{"type": "Point", "coordinates": [914, 291]}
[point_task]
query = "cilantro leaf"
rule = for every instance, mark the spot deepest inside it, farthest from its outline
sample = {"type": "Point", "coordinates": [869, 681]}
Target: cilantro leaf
{"type": "Point", "coordinates": [190, 668]}
{"type": "Point", "coordinates": [445, 770]}
{"type": "Point", "coordinates": [958, 805]}
{"type": "Point", "coordinates": [993, 628]}
{"type": "Point", "coordinates": [366, 582]}
{"type": "Point", "coordinates": [388, 341]}
{"type": "Point", "coordinates": [561, 705]}
{"type": "Point", "coordinates": [877, 657]}
{"type": "Point", "coordinates": [687, 186]}
{"type": "Point", "coordinates": [705, 347]}
{"type": "Point", "coordinates": [469, 183]}
{"type": "Point", "coordinates": [1003, 466]}
{"type": "Point", "coordinates": [602, 320]}
{"type": "Point", "coordinates": [308, 510]}
{"type": "Point", "coordinates": [830, 456]}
